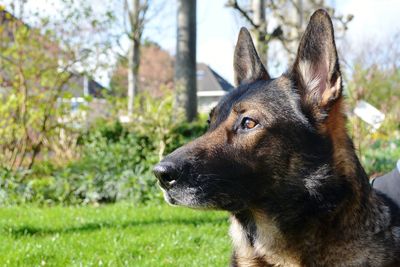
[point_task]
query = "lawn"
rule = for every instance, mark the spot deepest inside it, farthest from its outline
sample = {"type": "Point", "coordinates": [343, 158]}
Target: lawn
{"type": "Point", "coordinates": [113, 235]}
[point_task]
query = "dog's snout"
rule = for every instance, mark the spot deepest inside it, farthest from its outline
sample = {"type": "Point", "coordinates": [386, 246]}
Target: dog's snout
{"type": "Point", "coordinates": [166, 173]}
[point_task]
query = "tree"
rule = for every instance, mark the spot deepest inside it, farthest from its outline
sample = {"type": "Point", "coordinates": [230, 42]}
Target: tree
{"type": "Point", "coordinates": [288, 16]}
{"type": "Point", "coordinates": [258, 7]}
{"type": "Point", "coordinates": [132, 18]}
{"type": "Point", "coordinates": [38, 64]}
{"type": "Point", "coordinates": [136, 14]}
{"type": "Point", "coordinates": [185, 68]}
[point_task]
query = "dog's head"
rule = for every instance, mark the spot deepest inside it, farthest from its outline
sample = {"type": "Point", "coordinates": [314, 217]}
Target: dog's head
{"type": "Point", "coordinates": [269, 139]}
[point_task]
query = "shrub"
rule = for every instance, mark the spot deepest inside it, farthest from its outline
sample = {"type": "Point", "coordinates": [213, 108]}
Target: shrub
{"type": "Point", "coordinates": [115, 161]}
{"type": "Point", "coordinates": [110, 170]}
{"type": "Point", "coordinates": [381, 157]}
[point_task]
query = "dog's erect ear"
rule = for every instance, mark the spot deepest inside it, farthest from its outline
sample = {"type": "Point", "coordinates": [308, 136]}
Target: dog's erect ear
{"type": "Point", "coordinates": [246, 63]}
{"type": "Point", "coordinates": [316, 68]}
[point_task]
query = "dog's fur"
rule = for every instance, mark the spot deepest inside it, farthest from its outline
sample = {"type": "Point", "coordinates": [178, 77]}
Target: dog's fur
{"type": "Point", "coordinates": [278, 158]}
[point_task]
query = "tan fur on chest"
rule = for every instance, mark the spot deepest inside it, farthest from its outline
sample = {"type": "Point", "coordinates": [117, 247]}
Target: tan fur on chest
{"type": "Point", "coordinates": [269, 246]}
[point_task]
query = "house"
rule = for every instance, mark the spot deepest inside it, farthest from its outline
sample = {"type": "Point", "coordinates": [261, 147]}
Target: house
{"type": "Point", "coordinates": [210, 87]}
{"type": "Point", "coordinates": [81, 89]}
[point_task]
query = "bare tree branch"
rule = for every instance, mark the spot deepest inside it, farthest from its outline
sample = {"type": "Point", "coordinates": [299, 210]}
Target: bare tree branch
{"type": "Point", "coordinates": [235, 5]}
{"type": "Point", "coordinates": [288, 15]}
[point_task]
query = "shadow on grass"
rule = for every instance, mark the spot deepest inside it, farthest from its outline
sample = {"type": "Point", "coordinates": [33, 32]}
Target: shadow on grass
{"type": "Point", "coordinates": [23, 231]}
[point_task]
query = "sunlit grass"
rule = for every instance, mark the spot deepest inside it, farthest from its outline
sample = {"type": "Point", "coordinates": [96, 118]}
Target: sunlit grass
{"type": "Point", "coordinates": [113, 235]}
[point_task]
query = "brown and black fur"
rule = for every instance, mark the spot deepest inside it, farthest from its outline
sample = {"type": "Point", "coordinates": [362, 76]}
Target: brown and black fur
{"type": "Point", "coordinates": [278, 158]}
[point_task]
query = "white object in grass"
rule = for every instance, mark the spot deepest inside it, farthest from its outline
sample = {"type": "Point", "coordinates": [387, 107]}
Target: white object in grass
{"type": "Point", "coordinates": [369, 114]}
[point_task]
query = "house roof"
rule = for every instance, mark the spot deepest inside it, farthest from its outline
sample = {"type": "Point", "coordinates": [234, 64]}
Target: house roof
{"type": "Point", "coordinates": [209, 80]}
{"type": "Point", "coordinates": [89, 86]}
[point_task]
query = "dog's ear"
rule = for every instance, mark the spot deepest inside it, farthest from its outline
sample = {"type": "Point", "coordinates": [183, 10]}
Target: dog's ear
{"type": "Point", "coordinates": [246, 63]}
{"type": "Point", "coordinates": [316, 69]}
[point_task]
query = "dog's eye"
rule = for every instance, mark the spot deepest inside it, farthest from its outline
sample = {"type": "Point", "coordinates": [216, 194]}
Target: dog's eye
{"type": "Point", "coordinates": [248, 123]}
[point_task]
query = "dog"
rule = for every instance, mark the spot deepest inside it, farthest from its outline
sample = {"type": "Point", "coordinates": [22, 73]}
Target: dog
{"type": "Point", "coordinates": [278, 158]}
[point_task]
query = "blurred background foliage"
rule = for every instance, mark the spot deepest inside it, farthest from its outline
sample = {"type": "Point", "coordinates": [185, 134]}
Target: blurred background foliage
{"type": "Point", "coordinates": [375, 78]}
{"type": "Point", "coordinates": [113, 160]}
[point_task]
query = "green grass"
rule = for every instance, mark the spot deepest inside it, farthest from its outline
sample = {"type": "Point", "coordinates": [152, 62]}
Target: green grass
{"type": "Point", "coordinates": [113, 235]}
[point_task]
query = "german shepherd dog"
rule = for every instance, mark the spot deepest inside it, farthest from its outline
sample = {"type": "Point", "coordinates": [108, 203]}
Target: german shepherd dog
{"type": "Point", "coordinates": [278, 158]}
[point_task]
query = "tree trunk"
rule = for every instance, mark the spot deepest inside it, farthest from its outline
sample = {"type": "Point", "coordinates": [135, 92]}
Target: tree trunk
{"type": "Point", "coordinates": [300, 16]}
{"type": "Point", "coordinates": [185, 68]}
{"type": "Point", "coordinates": [300, 22]}
{"type": "Point", "coordinates": [133, 70]}
{"type": "Point", "coordinates": [259, 34]}
{"type": "Point", "coordinates": [134, 54]}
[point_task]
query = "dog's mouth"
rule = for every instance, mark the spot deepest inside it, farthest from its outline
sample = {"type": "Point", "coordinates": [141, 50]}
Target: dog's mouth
{"type": "Point", "coordinates": [169, 199]}
{"type": "Point", "coordinates": [200, 198]}
{"type": "Point", "coordinates": [183, 196]}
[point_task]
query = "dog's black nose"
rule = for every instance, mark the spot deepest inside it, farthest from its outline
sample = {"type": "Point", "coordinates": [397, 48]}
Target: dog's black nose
{"type": "Point", "coordinates": [166, 173]}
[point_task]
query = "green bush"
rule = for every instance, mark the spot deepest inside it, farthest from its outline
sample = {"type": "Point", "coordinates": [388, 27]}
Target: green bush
{"type": "Point", "coordinates": [110, 170]}
{"type": "Point", "coordinates": [381, 156]}
{"type": "Point", "coordinates": [11, 186]}
{"type": "Point", "coordinates": [115, 161]}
